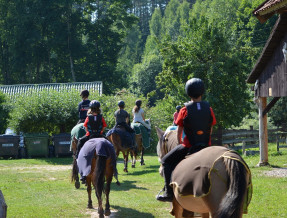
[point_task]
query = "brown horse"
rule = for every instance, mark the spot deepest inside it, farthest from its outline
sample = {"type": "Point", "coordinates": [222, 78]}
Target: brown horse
{"type": "Point", "coordinates": [115, 139]}
{"type": "Point", "coordinates": [100, 176]}
{"type": "Point", "coordinates": [226, 183]}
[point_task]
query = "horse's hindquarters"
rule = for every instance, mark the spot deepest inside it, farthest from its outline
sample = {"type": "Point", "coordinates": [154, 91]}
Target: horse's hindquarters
{"type": "Point", "coordinates": [191, 203]}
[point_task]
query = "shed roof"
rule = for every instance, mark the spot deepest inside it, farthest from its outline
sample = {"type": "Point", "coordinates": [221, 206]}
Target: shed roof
{"type": "Point", "coordinates": [276, 36]}
{"type": "Point", "coordinates": [264, 11]}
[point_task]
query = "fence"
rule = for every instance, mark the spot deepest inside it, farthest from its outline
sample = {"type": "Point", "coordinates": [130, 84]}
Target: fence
{"type": "Point", "coordinates": [13, 90]}
{"type": "Point", "coordinates": [247, 139]}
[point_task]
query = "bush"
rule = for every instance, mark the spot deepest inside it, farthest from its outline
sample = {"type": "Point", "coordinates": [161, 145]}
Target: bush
{"type": "Point", "coordinates": [45, 111]}
{"type": "Point", "coordinates": [4, 113]}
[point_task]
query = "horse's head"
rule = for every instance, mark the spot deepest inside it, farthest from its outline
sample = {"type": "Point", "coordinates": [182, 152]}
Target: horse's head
{"type": "Point", "coordinates": [159, 147]}
{"type": "Point", "coordinates": [74, 144]}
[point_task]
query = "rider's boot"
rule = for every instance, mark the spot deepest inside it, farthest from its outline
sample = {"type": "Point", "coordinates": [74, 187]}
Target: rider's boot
{"type": "Point", "coordinates": [167, 195]}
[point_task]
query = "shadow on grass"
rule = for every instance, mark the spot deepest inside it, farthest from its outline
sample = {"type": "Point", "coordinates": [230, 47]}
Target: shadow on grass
{"type": "Point", "coordinates": [125, 186]}
{"type": "Point", "coordinates": [147, 170]}
{"type": "Point", "coordinates": [128, 212]}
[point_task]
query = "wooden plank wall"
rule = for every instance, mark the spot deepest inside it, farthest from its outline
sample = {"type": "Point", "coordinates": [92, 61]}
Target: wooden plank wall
{"type": "Point", "coordinates": [274, 75]}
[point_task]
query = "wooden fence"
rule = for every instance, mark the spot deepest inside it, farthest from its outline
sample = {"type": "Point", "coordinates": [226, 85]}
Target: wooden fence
{"type": "Point", "coordinates": [247, 139]}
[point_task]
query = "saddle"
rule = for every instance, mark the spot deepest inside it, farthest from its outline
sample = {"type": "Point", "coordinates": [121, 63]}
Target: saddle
{"type": "Point", "coordinates": [127, 138]}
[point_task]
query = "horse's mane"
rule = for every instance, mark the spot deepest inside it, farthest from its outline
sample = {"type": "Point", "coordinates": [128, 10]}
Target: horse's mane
{"type": "Point", "coordinates": [167, 142]}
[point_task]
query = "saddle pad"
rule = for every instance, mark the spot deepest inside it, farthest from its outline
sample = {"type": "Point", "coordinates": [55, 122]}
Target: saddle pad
{"type": "Point", "coordinates": [127, 138]}
{"type": "Point", "coordinates": [78, 131]}
{"type": "Point", "coordinates": [102, 147]}
{"type": "Point", "coordinates": [140, 129]}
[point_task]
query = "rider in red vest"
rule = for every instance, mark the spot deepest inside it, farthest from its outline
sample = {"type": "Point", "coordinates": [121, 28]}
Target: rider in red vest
{"type": "Point", "coordinates": [196, 120]}
{"type": "Point", "coordinates": [94, 124]}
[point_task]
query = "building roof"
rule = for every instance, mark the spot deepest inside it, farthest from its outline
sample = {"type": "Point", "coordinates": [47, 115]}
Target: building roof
{"type": "Point", "coordinates": [13, 90]}
{"type": "Point", "coordinates": [264, 11]}
{"type": "Point", "coordinates": [276, 35]}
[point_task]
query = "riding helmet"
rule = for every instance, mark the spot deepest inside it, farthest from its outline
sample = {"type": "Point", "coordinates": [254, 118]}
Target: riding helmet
{"type": "Point", "coordinates": [121, 103]}
{"type": "Point", "coordinates": [85, 93]}
{"type": "Point", "coordinates": [194, 87]}
{"type": "Point", "coordinates": [178, 107]}
{"type": "Point", "coordinates": [138, 103]}
{"type": "Point", "coordinates": [95, 104]}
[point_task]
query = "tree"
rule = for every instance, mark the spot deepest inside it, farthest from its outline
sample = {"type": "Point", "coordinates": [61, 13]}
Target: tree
{"type": "Point", "coordinates": [206, 53]}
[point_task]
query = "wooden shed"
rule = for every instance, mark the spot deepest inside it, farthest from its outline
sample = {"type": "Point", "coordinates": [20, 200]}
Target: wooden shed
{"type": "Point", "coordinates": [269, 74]}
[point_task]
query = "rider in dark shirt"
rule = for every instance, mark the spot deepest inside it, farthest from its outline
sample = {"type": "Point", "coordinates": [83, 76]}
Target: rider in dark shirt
{"type": "Point", "coordinates": [122, 117]}
{"type": "Point", "coordinates": [83, 106]}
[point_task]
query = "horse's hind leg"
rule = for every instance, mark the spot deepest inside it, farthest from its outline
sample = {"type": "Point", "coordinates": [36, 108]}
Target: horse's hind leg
{"type": "Point", "coordinates": [126, 159]}
{"type": "Point", "coordinates": [109, 177]}
{"type": "Point", "coordinates": [75, 174]}
{"type": "Point", "coordinates": [133, 158]}
{"type": "Point", "coordinates": [142, 154]}
{"type": "Point", "coordinates": [89, 190]}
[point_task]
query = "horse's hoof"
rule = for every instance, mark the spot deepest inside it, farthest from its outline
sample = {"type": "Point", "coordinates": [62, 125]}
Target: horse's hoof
{"type": "Point", "coordinates": [90, 206]}
{"type": "Point", "coordinates": [77, 184]}
{"type": "Point", "coordinates": [133, 166]}
{"type": "Point", "coordinates": [107, 212]}
{"type": "Point", "coordinates": [142, 164]}
{"type": "Point", "coordinates": [125, 170]}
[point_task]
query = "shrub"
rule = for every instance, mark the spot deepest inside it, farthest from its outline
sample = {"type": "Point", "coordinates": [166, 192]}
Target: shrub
{"type": "Point", "coordinates": [4, 113]}
{"type": "Point", "coordinates": [45, 111]}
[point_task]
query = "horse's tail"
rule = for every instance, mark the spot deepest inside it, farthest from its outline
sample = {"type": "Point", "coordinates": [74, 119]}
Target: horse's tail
{"type": "Point", "coordinates": [100, 174]}
{"type": "Point", "coordinates": [74, 171]}
{"type": "Point", "coordinates": [232, 203]}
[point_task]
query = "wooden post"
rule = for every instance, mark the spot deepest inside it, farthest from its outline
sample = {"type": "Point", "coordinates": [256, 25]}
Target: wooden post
{"type": "Point", "coordinates": [243, 147]}
{"type": "Point", "coordinates": [263, 134]}
{"type": "Point", "coordinates": [277, 142]}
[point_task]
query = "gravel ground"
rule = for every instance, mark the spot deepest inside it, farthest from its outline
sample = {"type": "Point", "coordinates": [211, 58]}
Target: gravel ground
{"type": "Point", "coordinates": [277, 172]}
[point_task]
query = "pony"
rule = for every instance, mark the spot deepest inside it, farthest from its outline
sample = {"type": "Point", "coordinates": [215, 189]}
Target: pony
{"type": "Point", "coordinates": [100, 176]}
{"type": "Point", "coordinates": [227, 183]}
{"type": "Point", "coordinates": [116, 140]}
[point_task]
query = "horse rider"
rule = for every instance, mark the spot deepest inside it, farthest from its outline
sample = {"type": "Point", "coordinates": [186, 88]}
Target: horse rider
{"type": "Point", "coordinates": [138, 113]}
{"type": "Point", "coordinates": [196, 119]}
{"type": "Point", "coordinates": [94, 124]}
{"type": "Point", "coordinates": [83, 106]}
{"type": "Point", "coordinates": [175, 115]}
{"type": "Point", "coordinates": [122, 117]}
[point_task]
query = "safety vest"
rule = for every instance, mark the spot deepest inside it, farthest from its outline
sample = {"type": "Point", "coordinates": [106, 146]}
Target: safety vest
{"type": "Point", "coordinates": [197, 123]}
{"type": "Point", "coordinates": [95, 126]}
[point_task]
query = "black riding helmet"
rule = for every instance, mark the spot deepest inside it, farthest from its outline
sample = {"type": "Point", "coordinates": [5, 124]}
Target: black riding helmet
{"type": "Point", "coordinates": [85, 93]}
{"type": "Point", "coordinates": [121, 103]}
{"type": "Point", "coordinates": [194, 87]}
{"type": "Point", "coordinates": [138, 103]}
{"type": "Point", "coordinates": [178, 107]}
{"type": "Point", "coordinates": [95, 104]}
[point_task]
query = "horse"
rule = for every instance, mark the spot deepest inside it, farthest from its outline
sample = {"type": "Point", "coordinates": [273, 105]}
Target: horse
{"type": "Point", "coordinates": [77, 132]}
{"type": "Point", "coordinates": [101, 174]}
{"type": "Point", "coordinates": [140, 134]}
{"type": "Point", "coordinates": [227, 183]}
{"type": "Point", "coordinates": [119, 146]}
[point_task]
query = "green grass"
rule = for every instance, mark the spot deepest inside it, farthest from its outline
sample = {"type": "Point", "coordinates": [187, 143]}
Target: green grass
{"type": "Point", "coordinates": [42, 188]}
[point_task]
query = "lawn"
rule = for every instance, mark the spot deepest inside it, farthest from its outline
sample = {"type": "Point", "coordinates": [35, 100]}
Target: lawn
{"type": "Point", "coordinates": [42, 188]}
